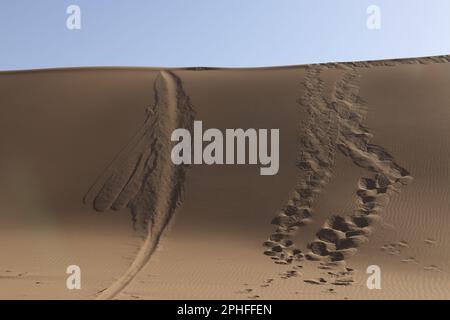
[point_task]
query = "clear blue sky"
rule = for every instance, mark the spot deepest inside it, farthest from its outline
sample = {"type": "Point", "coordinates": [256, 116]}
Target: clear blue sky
{"type": "Point", "coordinates": [231, 33]}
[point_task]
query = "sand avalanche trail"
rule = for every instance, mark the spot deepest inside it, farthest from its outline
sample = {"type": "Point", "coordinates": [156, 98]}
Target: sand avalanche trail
{"type": "Point", "coordinates": [143, 177]}
{"type": "Point", "coordinates": [335, 123]}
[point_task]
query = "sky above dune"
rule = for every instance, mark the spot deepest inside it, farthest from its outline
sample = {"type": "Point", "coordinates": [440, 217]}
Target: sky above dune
{"type": "Point", "coordinates": [224, 33]}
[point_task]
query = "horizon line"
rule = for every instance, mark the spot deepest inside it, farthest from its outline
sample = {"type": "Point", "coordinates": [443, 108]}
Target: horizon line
{"type": "Point", "coordinates": [362, 63]}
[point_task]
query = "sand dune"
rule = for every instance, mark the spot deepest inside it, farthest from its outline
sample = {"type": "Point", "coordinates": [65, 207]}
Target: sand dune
{"type": "Point", "coordinates": [363, 181]}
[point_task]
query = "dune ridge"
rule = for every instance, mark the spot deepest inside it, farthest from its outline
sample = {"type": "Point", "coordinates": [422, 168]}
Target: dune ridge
{"type": "Point", "coordinates": [338, 65]}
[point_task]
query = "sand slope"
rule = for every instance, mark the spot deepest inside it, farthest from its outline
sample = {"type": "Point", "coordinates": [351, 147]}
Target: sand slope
{"type": "Point", "coordinates": [363, 181]}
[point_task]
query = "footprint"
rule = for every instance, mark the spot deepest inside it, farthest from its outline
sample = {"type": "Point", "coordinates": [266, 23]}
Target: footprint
{"type": "Point", "coordinates": [392, 249]}
{"type": "Point", "coordinates": [430, 241]}
{"type": "Point", "coordinates": [403, 244]}
{"type": "Point", "coordinates": [330, 290]}
{"type": "Point", "coordinates": [313, 281]}
{"type": "Point", "coordinates": [410, 260]}
{"type": "Point", "coordinates": [342, 282]}
{"type": "Point", "coordinates": [9, 274]}
{"type": "Point", "coordinates": [245, 291]}
{"type": "Point", "coordinates": [432, 267]}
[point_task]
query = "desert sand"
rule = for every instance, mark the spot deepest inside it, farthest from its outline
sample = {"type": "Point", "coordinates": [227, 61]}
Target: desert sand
{"type": "Point", "coordinates": [363, 180]}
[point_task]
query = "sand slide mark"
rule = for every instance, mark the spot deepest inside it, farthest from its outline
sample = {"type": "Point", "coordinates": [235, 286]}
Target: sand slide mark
{"type": "Point", "coordinates": [143, 177]}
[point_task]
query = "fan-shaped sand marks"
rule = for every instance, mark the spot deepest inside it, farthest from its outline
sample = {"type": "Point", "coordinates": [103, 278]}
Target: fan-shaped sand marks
{"type": "Point", "coordinates": [143, 177]}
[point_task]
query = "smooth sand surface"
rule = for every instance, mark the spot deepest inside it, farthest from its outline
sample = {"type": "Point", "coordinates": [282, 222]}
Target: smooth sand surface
{"type": "Point", "coordinates": [60, 130]}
